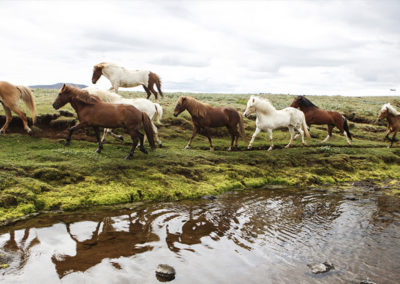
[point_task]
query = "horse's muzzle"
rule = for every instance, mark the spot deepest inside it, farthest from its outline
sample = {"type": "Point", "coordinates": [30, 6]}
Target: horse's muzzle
{"type": "Point", "coordinates": [55, 106]}
{"type": "Point", "coordinates": [246, 115]}
{"type": "Point", "coordinates": [175, 114]}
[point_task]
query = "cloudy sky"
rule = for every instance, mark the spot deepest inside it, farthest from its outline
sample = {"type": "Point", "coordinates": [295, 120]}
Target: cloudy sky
{"type": "Point", "coordinates": [296, 47]}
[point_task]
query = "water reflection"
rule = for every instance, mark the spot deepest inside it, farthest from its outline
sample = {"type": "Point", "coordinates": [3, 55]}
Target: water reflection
{"type": "Point", "coordinates": [281, 229]}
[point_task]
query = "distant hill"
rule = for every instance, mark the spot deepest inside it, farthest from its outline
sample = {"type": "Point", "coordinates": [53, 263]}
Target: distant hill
{"type": "Point", "coordinates": [56, 86]}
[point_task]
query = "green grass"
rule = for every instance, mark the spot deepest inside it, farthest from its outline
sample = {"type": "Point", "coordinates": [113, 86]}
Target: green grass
{"type": "Point", "coordinates": [39, 174]}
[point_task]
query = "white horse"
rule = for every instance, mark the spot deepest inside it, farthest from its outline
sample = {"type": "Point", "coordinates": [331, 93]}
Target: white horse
{"type": "Point", "coordinates": [121, 77]}
{"type": "Point", "coordinates": [144, 105]}
{"type": "Point", "coordinates": [268, 118]}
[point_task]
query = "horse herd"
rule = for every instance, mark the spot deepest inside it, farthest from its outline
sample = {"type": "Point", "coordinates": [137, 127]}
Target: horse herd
{"type": "Point", "coordinates": [100, 108]}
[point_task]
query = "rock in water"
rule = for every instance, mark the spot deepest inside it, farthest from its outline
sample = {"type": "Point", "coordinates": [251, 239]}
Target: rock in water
{"type": "Point", "coordinates": [321, 267]}
{"type": "Point", "coordinates": [165, 272]}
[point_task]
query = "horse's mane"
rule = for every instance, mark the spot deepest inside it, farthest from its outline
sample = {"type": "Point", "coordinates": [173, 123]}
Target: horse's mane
{"type": "Point", "coordinates": [83, 96]}
{"type": "Point", "coordinates": [390, 109]}
{"type": "Point", "coordinates": [303, 101]}
{"type": "Point", "coordinates": [263, 103]}
{"type": "Point", "coordinates": [196, 108]}
{"type": "Point", "coordinates": [104, 95]}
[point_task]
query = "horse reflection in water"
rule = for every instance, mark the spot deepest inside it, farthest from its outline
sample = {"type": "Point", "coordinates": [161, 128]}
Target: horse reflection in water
{"type": "Point", "coordinates": [107, 243]}
{"type": "Point", "coordinates": [20, 250]}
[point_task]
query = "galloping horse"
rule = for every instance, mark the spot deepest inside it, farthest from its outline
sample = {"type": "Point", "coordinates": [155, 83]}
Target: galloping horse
{"type": "Point", "coordinates": [393, 118]}
{"type": "Point", "coordinates": [9, 97]}
{"type": "Point", "coordinates": [205, 117]}
{"type": "Point", "coordinates": [147, 106]}
{"type": "Point", "coordinates": [268, 118]}
{"type": "Point", "coordinates": [121, 77]}
{"type": "Point", "coordinates": [315, 115]}
{"type": "Point", "coordinates": [95, 113]}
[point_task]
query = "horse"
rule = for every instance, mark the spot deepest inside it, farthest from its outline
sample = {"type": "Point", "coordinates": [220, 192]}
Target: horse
{"type": "Point", "coordinates": [121, 77]}
{"type": "Point", "coordinates": [9, 98]}
{"type": "Point", "coordinates": [205, 117]}
{"type": "Point", "coordinates": [93, 112]}
{"type": "Point", "coordinates": [315, 115]}
{"type": "Point", "coordinates": [269, 118]}
{"type": "Point", "coordinates": [147, 106]}
{"type": "Point", "coordinates": [393, 118]}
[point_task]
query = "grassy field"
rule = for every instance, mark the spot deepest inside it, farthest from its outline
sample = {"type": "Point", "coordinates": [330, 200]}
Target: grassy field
{"type": "Point", "coordinates": [38, 173]}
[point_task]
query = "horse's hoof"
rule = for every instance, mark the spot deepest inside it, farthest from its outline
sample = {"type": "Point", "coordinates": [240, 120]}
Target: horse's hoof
{"type": "Point", "coordinates": [129, 157]}
{"type": "Point", "coordinates": [305, 144]}
{"type": "Point", "coordinates": [287, 146]}
{"type": "Point", "coordinates": [229, 149]}
{"type": "Point", "coordinates": [98, 151]}
{"type": "Point", "coordinates": [187, 147]}
{"type": "Point", "coordinates": [121, 138]}
{"type": "Point", "coordinates": [29, 132]}
{"type": "Point", "coordinates": [160, 145]}
{"type": "Point", "coordinates": [249, 147]}
{"type": "Point", "coordinates": [142, 149]}
{"type": "Point", "coordinates": [389, 147]}
{"type": "Point", "coordinates": [67, 144]}
{"type": "Point", "coordinates": [211, 148]}
{"type": "Point", "coordinates": [270, 149]}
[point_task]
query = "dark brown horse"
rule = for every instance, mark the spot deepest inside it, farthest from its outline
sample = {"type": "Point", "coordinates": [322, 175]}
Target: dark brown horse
{"type": "Point", "coordinates": [205, 117]}
{"type": "Point", "coordinates": [95, 113]}
{"type": "Point", "coordinates": [315, 115]}
{"type": "Point", "coordinates": [9, 97]}
{"type": "Point", "coordinates": [393, 118]}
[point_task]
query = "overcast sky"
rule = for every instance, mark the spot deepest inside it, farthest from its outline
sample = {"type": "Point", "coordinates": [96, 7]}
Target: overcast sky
{"type": "Point", "coordinates": [296, 47]}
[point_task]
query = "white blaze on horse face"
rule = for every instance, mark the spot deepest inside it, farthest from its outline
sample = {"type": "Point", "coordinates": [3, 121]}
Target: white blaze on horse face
{"type": "Point", "coordinates": [250, 108]}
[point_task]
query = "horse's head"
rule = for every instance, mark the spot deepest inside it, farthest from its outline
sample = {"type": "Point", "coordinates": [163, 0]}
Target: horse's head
{"type": "Point", "coordinates": [250, 108]}
{"type": "Point", "coordinates": [297, 101]}
{"type": "Point", "coordinates": [64, 97]}
{"type": "Point", "coordinates": [97, 72]}
{"type": "Point", "coordinates": [384, 112]}
{"type": "Point", "coordinates": [180, 106]}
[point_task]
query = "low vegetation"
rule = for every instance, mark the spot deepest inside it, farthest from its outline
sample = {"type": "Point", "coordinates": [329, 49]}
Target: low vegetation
{"type": "Point", "coordinates": [39, 174]}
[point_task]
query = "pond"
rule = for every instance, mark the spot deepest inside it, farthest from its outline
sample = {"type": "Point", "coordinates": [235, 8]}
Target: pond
{"type": "Point", "coordinates": [250, 236]}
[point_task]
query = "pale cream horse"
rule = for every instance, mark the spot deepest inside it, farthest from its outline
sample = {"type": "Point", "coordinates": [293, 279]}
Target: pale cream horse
{"type": "Point", "coordinates": [9, 97]}
{"type": "Point", "coordinates": [125, 78]}
{"type": "Point", "coordinates": [153, 110]}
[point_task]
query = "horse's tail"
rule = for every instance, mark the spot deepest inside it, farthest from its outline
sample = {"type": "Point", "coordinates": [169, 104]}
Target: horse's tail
{"type": "Point", "coordinates": [158, 84]}
{"type": "Point", "coordinates": [304, 126]}
{"type": "Point", "coordinates": [148, 129]}
{"type": "Point", "coordinates": [27, 97]}
{"type": "Point", "coordinates": [159, 112]}
{"type": "Point", "coordinates": [241, 128]}
{"type": "Point", "coordinates": [346, 128]}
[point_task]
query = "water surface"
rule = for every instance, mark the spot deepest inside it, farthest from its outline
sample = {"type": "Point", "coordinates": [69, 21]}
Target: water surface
{"type": "Point", "coordinates": [254, 236]}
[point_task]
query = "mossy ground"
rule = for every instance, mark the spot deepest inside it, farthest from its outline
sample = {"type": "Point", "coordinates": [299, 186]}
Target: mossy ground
{"type": "Point", "coordinates": [39, 174]}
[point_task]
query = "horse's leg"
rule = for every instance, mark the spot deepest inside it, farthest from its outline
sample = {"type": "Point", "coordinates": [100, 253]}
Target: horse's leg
{"type": "Point", "coordinates": [22, 115]}
{"type": "Point", "coordinates": [253, 137]}
{"type": "Point", "coordinates": [388, 131]}
{"type": "Point", "coordinates": [232, 137]}
{"type": "Point", "coordinates": [135, 140]}
{"type": "Point", "coordinates": [291, 130]}
{"type": "Point", "coordinates": [119, 137]}
{"type": "Point", "coordinates": [271, 146]}
{"type": "Point", "coordinates": [209, 138]}
{"type": "Point", "coordinates": [347, 138]}
{"type": "Point", "coordinates": [302, 135]}
{"type": "Point", "coordinates": [330, 127]}
{"type": "Point", "coordinates": [156, 135]}
{"type": "Point", "coordinates": [8, 113]}
{"type": "Point", "coordinates": [141, 140]}
{"type": "Point", "coordinates": [394, 135]}
{"type": "Point", "coordinates": [72, 129]}
{"type": "Point", "coordinates": [191, 138]}
{"type": "Point", "coordinates": [147, 91]}
{"type": "Point", "coordinates": [103, 139]}
{"type": "Point", "coordinates": [96, 131]}
{"type": "Point", "coordinates": [151, 87]}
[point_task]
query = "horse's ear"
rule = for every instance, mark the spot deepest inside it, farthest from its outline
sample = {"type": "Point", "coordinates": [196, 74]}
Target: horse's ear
{"type": "Point", "coordinates": [63, 87]}
{"type": "Point", "coordinates": [254, 100]}
{"type": "Point", "coordinates": [183, 99]}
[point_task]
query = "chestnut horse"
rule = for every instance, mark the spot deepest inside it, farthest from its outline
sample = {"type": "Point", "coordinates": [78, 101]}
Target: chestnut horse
{"type": "Point", "coordinates": [9, 97]}
{"type": "Point", "coordinates": [122, 77]}
{"type": "Point", "coordinates": [205, 117]}
{"type": "Point", "coordinates": [393, 118]}
{"type": "Point", "coordinates": [95, 113]}
{"type": "Point", "coordinates": [315, 115]}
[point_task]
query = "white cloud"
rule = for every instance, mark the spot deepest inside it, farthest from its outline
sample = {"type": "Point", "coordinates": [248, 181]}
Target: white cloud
{"type": "Point", "coordinates": [298, 47]}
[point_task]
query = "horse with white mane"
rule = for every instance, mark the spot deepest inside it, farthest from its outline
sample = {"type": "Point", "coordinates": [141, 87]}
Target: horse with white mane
{"type": "Point", "coordinates": [268, 118]}
{"type": "Point", "coordinates": [393, 119]}
{"type": "Point", "coordinates": [125, 78]}
{"type": "Point", "coordinates": [144, 105]}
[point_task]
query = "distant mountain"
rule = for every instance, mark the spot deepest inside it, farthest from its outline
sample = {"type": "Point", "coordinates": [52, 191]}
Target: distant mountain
{"type": "Point", "coordinates": [56, 86]}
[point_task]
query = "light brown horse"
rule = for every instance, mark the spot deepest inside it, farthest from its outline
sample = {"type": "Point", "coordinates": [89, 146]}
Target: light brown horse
{"type": "Point", "coordinates": [315, 115]}
{"type": "Point", "coordinates": [393, 118]}
{"type": "Point", "coordinates": [95, 113]}
{"type": "Point", "coordinates": [9, 97]}
{"type": "Point", "coordinates": [205, 117]}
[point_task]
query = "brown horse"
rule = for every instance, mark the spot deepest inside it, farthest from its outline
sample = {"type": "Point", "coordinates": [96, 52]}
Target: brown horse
{"type": "Point", "coordinates": [95, 113]}
{"type": "Point", "coordinates": [315, 115]}
{"type": "Point", "coordinates": [205, 117]}
{"type": "Point", "coordinates": [393, 118]}
{"type": "Point", "coordinates": [9, 97]}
